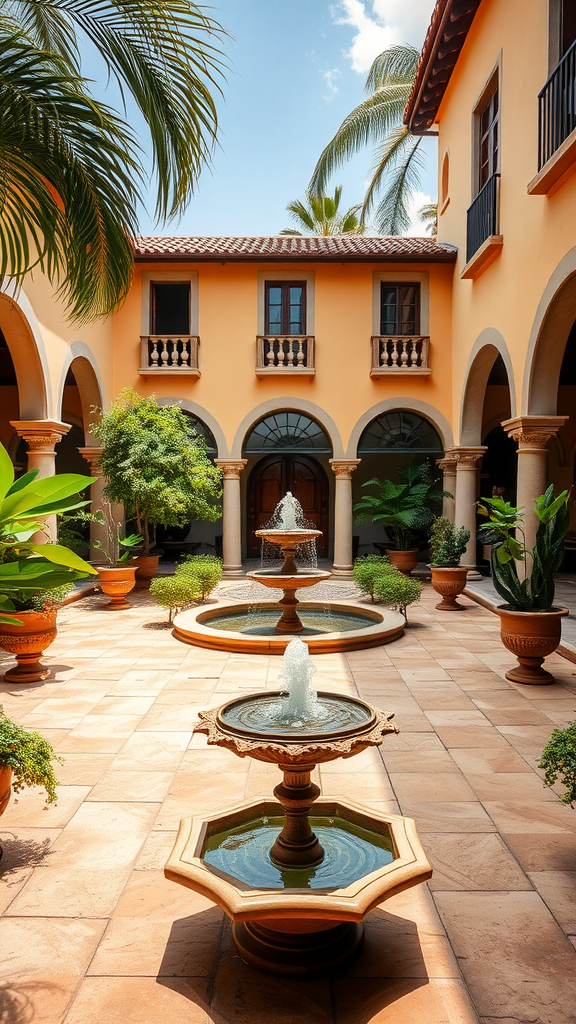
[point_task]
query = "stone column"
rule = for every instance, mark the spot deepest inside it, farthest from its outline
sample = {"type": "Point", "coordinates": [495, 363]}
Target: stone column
{"type": "Point", "coordinates": [448, 466]}
{"type": "Point", "coordinates": [343, 516]}
{"type": "Point", "coordinates": [98, 531]}
{"type": "Point", "coordinates": [42, 436]}
{"type": "Point", "coordinates": [467, 459]}
{"type": "Point", "coordinates": [231, 516]}
{"type": "Point", "coordinates": [532, 434]}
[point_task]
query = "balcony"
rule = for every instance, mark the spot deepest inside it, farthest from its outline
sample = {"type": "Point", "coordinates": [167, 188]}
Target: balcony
{"type": "Point", "coordinates": [556, 127]}
{"type": "Point", "coordinates": [164, 354]}
{"type": "Point", "coordinates": [289, 355]}
{"type": "Point", "coordinates": [400, 355]}
{"type": "Point", "coordinates": [483, 242]}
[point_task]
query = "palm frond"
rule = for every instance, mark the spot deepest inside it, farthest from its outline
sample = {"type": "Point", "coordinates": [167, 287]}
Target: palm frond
{"type": "Point", "coordinates": [401, 160]}
{"type": "Point", "coordinates": [397, 63]}
{"type": "Point", "coordinates": [428, 214]}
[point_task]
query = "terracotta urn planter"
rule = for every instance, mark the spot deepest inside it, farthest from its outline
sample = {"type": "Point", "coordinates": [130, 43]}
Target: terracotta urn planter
{"type": "Point", "coordinates": [5, 787]}
{"type": "Point", "coordinates": [405, 560]}
{"type": "Point", "coordinates": [531, 636]}
{"type": "Point", "coordinates": [116, 583]}
{"type": "Point", "coordinates": [449, 581]}
{"type": "Point", "coordinates": [146, 569]}
{"type": "Point", "coordinates": [27, 643]}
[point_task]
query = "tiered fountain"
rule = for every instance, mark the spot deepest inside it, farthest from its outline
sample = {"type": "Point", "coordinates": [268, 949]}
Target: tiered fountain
{"type": "Point", "coordinates": [297, 875]}
{"type": "Point", "coordinates": [258, 628]}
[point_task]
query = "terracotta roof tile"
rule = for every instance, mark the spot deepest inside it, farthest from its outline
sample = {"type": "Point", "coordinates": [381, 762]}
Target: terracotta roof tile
{"type": "Point", "coordinates": [336, 248]}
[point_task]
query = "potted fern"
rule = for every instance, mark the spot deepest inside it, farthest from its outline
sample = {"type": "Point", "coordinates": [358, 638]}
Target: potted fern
{"type": "Point", "coordinates": [530, 624]}
{"type": "Point", "coordinates": [447, 545]}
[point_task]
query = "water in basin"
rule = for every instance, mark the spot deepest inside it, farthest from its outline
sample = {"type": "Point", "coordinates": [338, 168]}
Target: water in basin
{"type": "Point", "coordinates": [271, 716]}
{"type": "Point", "coordinates": [263, 622]}
{"type": "Point", "coordinates": [350, 853]}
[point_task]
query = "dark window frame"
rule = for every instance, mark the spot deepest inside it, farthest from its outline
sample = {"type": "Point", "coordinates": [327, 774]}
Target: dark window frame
{"type": "Point", "coordinates": [172, 284]}
{"type": "Point", "coordinates": [399, 285]}
{"type": "Point", "coordinates": [488, 126]}
{"type": "Point", "coordinates": [285, 289]}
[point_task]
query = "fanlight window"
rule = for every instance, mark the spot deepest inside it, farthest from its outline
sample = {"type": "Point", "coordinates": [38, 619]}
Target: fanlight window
{"type": "Point", "coordinates": [401, 432]}
{"type": "Point", "coordinates": [292, 431]}
{"type": "Point", "coordinates": [200, 428]}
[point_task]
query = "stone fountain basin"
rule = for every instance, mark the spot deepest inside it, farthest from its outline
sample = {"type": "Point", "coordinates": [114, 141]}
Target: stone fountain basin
{"type": "Point", "coordinates": [187, 866]}
{"type": "Point", "coordinates": [288, 581]}
{"type": "Point", "coordinates": [194, 627]}
{"type": "Point", "coordinates": [288, 538]}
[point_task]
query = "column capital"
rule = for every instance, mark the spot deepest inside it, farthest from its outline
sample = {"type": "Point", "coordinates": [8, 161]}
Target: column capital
{"type": "Point", "coordinates": [466, 456]}
{"type": "Point", "coordinates": [40, 435]}
{"type": "Point", "coordinates": [344, 467]}
{"type": "Point", "coordinates": [449, 461]}
{"type": "Point", "coordinates": [231, 468]}
{"type": "Point", "coordinates": [92, 456]}
{"type": "Point", "coordinates": [533, 432]}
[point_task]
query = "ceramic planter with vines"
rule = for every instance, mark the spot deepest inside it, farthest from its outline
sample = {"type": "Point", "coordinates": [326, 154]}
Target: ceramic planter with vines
{"type": "Point", "coordinates": [118, 575]}
{"type": "Point", "coordinates": [26, 759]}
{"type": "Point", "coordinates": [447, 545]}
{"type": "Point", "coordinates": [530, 624]}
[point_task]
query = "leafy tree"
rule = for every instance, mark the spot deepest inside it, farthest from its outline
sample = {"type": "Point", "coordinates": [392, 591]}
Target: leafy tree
{"type": "Point", "coordinates": [206, 570]}
{"type": "Point", "coordinates": [398, 157]}
{"type": "Point", "coordinates": [155, 465]}
{"type": "Point", "coordinates": [320, 215]}
{"type": "Point", "coordinates": [71, 171]}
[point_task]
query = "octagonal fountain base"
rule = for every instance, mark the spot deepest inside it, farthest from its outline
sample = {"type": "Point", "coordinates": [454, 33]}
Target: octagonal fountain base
{"type": "Point", "coordinates": [249, 630]}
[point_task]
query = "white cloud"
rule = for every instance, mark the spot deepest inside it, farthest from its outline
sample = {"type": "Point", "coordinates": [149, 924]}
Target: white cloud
{"type": "Point", "coordinates": [378, 24]}
{"type": "Point", "coordinates": [331, 77]}
{"type": "Point", "coordinates": [416, 227]}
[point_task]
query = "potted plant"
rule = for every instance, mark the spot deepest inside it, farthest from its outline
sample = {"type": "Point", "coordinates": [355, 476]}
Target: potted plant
{"type": "Point", "coordinates": [447, 545]}
{"type": "Point", "coordinates": [118, 576]}
{"type": "Point", "coordinates": [402, 509]}
{"type": "Point", "coordinates": [530, 624]}
{"type": "Point", "coordinates": [26, 759]}
{"type": "Point", "coordinates": [32, 574]}
{"type": "Point", "coordinates": [559, 761]}
{"type": "Point", "coordinates": [157, 467]}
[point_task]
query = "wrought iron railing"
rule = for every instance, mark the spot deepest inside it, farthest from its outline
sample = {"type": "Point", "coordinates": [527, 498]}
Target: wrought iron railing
{"type": "Point", "coordinates": [391, 354]}
{"type": "Point", "coordinates": [482, 216]}
{"type": "Point", "coordinates": [164, 352]}
{"type": "Point", "coordinates": [557, 107]}
{"type": "Point", "coordinates": [289, 353]}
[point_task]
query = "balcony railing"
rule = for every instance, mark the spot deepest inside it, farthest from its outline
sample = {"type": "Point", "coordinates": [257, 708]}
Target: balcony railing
{"type": "Point", "coordinates": [482, 216]}
{"type": "Point", "coordinates": [289, 354]}
{"type": "Point", "coordinates": [399, 355]}
{"type": "Point", "coordinates": [162, 353]}
{"type": "Point", "coordinates": [557, 107]}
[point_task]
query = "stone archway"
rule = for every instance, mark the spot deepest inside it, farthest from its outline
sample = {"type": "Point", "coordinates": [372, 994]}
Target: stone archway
{"type": "Point", "coordinates": [25, 344]}
{"type": "Point", "coordinates": [488, 347]}
{"type": "Point", "coordinates": [552, 324]}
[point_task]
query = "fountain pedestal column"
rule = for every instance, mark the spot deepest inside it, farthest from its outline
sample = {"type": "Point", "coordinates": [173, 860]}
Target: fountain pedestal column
{"type": "Point", "coordinates": [231, 516]}
{"type": "Point", "coordinates": [297, 845]}
{"type": "Point", "coordinates": [343, 515]}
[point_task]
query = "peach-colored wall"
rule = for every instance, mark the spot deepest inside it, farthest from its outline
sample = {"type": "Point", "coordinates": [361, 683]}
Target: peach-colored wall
{"type": "Point", "coordinates": [228, 324]}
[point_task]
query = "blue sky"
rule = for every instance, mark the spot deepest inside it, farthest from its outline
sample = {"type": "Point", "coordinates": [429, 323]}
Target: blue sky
{"type": "Point", "coordinates": [297, 68]}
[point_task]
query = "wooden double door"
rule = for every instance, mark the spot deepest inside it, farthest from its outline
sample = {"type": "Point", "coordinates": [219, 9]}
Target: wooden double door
{"type": "Point", "coordinates": [267, 485]}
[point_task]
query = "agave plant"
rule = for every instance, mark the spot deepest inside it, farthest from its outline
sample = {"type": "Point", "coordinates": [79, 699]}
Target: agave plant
{"type": "Point", "coordinates": [26, 567]}
{"type": "Point", "coordinates": [534, 593]}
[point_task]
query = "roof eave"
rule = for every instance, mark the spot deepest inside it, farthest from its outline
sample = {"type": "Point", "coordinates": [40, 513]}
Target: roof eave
{"type": "Point", "coordinates": [443, 256]}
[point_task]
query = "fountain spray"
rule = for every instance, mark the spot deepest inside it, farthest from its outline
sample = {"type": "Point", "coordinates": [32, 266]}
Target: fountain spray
{"type": "Point", "coordinates": [302, 703]}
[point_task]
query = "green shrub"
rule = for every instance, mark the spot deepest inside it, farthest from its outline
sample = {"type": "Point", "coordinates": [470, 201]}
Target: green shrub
{"type": "Point", "coordinates": [205, 569]}
{"type": "Point", "coordinates": [394, 588]}
{"type": "Point", "coordinates": [174, 592]}
{"type": "Point", "coordinates": [367, 570]}
{"type": "Point", "coordinates": [29, 756]}
{"type": "Point", "coordinates": [447, 542]}
{"type": "Point", "coordinates": [559, 761]}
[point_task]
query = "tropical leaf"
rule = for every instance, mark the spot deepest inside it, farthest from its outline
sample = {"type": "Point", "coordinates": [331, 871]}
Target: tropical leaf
{"type": "Point", "coordinates": [60, 555]}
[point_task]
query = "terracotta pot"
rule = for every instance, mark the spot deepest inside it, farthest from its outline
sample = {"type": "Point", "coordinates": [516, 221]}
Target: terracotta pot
{"type": "Point", "coordinates": [27, 643]}
{"type": "Point", "coordinates": [530, 636]}
{"type": "Point", "coordinates": [449, 581]}
{"type": "Point", "coordinates": [5, 784]}
{"type": "Point", "coordinates": [405, 560]}
{"type": "Point", "coordinates": [146, 569]}
{"type": "Point", "coordinates": [117, 582]}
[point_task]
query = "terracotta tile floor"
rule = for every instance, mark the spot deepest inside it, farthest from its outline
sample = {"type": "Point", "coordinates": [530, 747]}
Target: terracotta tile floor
{"type": "Point", "coordinates": [92, 933]}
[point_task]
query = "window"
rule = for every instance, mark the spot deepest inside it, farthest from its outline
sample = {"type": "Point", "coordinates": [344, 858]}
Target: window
{"type": "Point", "coordinates": [170, 308]}
{"type": "Point", "coordinates": [445, 179]}
{"type": "Point", "coordinates": [285, 303]}
{"type": "Point", "coordinates": [399, 308]}
{"type": "Point", "coordinates": [401, 431]}
{"type": "Point", "coordinates": [567, 26]}
{"type": "Point", "coordinates": [488, 137]}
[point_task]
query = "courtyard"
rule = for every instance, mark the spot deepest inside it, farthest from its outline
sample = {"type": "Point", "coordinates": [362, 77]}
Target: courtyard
{"type": "Point", "coordinates": [92, 931]}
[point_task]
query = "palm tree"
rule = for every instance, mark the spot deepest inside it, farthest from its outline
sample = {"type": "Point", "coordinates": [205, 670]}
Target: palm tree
{"type": "Point", "coordinates": [320, 216]}
{"type": "Point", "coordinates": [71, 170]}
{"type": "Point", "coordinates": [428, 214]}
{"type": "Point", "coordinates": [398, 158]}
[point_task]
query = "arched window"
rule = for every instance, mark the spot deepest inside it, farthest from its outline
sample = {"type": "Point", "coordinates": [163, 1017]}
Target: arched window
{"type": "Point", "coordinates": [288, 431]}
{"type": "Point", "coordinates": [199, 427]}
{"type": "Point", "coordinates": [400, 431]}
{"type": "Point", "coordinates": [445, 178]}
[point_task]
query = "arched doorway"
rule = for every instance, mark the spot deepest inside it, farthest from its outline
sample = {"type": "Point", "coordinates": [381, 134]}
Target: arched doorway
{"type": "Point", "coordinates": [287, 451]}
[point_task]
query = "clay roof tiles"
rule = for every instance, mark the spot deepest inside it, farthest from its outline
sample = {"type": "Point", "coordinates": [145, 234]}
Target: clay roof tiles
{"type": "Point", "coordinates": [331, 248]}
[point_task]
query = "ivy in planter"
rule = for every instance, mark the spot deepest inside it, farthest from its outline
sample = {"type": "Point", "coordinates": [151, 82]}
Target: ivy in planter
{"type": "Point", "coordinates": [559, 761]}
{"type": "Point", "coordinates": [30, 757]}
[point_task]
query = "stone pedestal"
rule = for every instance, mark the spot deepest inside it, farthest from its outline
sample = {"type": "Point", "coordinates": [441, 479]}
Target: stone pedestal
{"type": "Point", "coordinates": [231, 516]}
{"type": "Point", "coordinates": [42, 436]}
{"type": "Point", "coordinates": [467, 459]}
{"type": "Point", "coordinates": [448, 466]}
{"type": "Point", "coordinates": [532, 434]}
{"type": "Point", "coordinates": [343, 516]}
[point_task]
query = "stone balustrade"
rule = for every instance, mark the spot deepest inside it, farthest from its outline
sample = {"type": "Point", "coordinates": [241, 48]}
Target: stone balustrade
{"type": "Point", "coordinates": [399, 355]}
{"type": "Point", "coordinates": [161, 353]}
{"type": "Point", "coordinates": [277, 354]}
